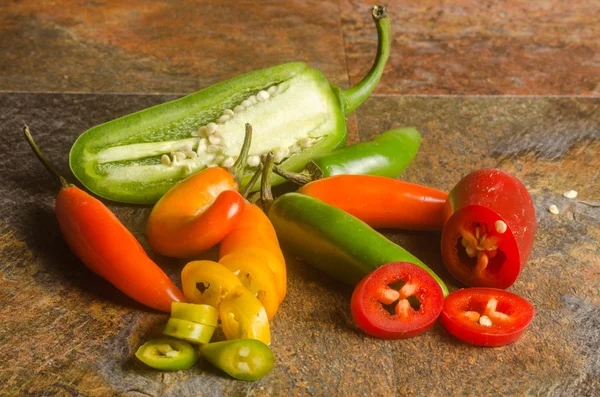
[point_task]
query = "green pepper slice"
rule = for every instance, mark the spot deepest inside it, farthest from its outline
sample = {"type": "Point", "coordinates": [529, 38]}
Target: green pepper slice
{"type": "Point", "coordinates": [294, 110]}
{"type": "Point", "coordinates": [189, 331]}
{"type": "Point", "coordinates": [196, 313]}
{"type": "Point", "coordinates": [334, 241]}
{"type": "Point", "coordinates": [244, 359]}
{"type": "Point", "coordinates": [386, 155]}
{"type": "Point", "coordinates": [167, 354]}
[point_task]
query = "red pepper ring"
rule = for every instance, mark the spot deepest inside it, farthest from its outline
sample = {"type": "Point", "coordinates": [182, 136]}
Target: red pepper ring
{"type": "Point", "coordinates": [486, 316]}
{"type": "Point", "coordinates": [401, 288]}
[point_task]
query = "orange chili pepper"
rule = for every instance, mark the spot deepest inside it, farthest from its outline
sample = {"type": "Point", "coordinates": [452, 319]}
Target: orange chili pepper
{"type": "Point", "coordinates": [199, 211]}
{"type": "Point", "coordinates": [105, 246]}
{"type": "Point", "coordinates": [382, 202]}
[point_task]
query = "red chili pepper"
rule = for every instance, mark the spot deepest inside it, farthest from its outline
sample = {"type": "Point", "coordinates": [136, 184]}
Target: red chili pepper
{"type": "Point", "coordinates": [486, 316]}
{"type": "Point", "coordinates": [382, 202]}
{"type": "Point", "coordinates": [489, 230]}
{"type": "Point", "coordinates": [404, 288]}
{"type": "Point", "coordinates": [199, 211]}
{"type": "Point", "coordinates": [105, 246]}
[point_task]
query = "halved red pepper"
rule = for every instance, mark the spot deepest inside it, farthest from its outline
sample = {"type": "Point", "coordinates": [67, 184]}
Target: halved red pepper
{"type": "Point", "coordinates": [486, 316]}
{"type": "Point", "coordinates": [489, 230]}
{"type": "Point", "coordinates": [414, 297]}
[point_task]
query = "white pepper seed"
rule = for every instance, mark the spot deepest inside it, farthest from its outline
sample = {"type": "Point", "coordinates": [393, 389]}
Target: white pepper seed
{"type": "Point", "coordinates": [212, 149]}
{"type": "Point", "coordinates": [252, 98]}
{"type": "Point", "coordinates": [191, 154]}
{"type": "Point", "coordinates": [272, 90]}
{"type": "Point", "coordinates": [246, 103]}
{"type": "Point", "coordinates": [228, 162]}
{"type": "Point", "coordinates": [228, 112]}
{"type": "Point", "coordinates": [223, 118]}
{"type": "Point", "coordinates": [239, 109]}
{"type": "Point", "coordinates": [485, 321]}
{"type": "Point", "coordinates": [253, 161]}
{"type": "Point", "coordinates": [166, 160]}
{"type": "Point", "coordinates": [211, 128]}
{"type": "Point", "coordinates": [295, 148]}
{"type": "Point", "coordinates": [262, 96]}
{"type": "Point", "coordinates": [570, 194]}
{"type": "Point", "coordinates": [211, 165]}
{"type": "Point", "coordinates": [201, 148]}
{"type": "Point", "coordinates": [203, 141]}
{"type": "Point", "coordinates": [187, 168]}
{"type": "Point", "coordinates": [500, 226]}
{"type": "Point", "coordinates": [214, 139]}
{"type": "Point", "coordinates": [178, 156]}
{"type": "Point", "coordinates": [553, 209]}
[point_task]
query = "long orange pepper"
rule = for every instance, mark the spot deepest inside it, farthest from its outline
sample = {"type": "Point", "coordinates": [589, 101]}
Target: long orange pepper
{"type": "Point", "coordinates": [382, 202]}
{"type": "Point", "coordinates": [199, 211]}
{"type": "Point", "coordinates": [105, 246]}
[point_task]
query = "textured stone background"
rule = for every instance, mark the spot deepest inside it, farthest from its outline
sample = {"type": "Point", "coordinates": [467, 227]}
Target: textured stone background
{"type": "Point", "coordinates": [64, 331]}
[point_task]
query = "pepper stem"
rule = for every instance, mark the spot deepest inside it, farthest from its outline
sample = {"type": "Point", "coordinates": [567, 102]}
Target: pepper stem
{"type": "Point", "coordinates": [354, 96]}
{"type": "Point", "coordinates": [266, 195]}
{"type": "Point", "coordinates": [252, 182]}
{"type": "Point", "coordinates": [299, 179]}
{"type": "Point", "coordinates": [238, 167]}
{"type": "Point", "coordinates": [63, 182]}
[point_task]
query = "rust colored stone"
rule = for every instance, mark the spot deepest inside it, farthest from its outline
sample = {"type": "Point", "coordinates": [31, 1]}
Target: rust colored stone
{"type": "Point", "coordinates": [468, 47]}
{"type": "Point", "coordinates": [64, 331]}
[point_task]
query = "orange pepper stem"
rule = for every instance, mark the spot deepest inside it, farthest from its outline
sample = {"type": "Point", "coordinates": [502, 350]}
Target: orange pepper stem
{"type": "Point", "coordinates": [296, 177]}
{"type": "Point", "coordinates": [237, 169]}
{"type": "Point", "coordinates": [266, 195]}
{"type": "Point", "coordinates": [63, 182]}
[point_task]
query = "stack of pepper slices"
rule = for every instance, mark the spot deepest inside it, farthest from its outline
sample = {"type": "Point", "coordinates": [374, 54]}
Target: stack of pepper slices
{"type": "Point", "coordinates": [487, 220]}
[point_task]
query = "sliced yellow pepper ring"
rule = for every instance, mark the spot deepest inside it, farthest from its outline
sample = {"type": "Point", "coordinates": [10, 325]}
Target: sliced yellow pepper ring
{"type": "Point", "coordinates": [207, 282]}
{"type": "Point", "coordinates": [189, 331]}
{"type": "Point", "coordinates": [276, 265]}
{"type": "Point", "coordinates": [196, 313]}
{"type": "Point", "coordinates": [256, 275]}
{"type": "Point", "coordinates": [244, 317]}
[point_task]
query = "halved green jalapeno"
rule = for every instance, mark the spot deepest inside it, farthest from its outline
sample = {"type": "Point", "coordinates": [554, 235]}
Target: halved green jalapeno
{"type": "Point", "coordinates": [295, 112]}
{"type": "Point", "coordinates": [189, 331]}
{"type": "Point", "coordinates": [167, 354]}
{"type": "Point", "coordinates": [244, 359]}
{"type": "Point", "coordinates": [387, 154]}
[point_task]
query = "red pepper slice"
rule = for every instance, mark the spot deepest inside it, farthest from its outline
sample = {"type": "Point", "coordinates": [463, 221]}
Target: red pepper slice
{"type": "Point", "coordinates": [489, 229]}
{"type": "Point", "coordinates": [486, 316]}
{"type": "Point", "coordinates": [413, 295]}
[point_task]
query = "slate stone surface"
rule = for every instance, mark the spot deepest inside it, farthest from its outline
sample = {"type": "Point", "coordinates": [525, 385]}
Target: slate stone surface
{"type": "Point", "coordinates": [64, 331]}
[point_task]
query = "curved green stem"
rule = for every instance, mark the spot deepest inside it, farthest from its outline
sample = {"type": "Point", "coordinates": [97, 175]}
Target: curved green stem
{"type": "Point", "coordinates": [266, 195]}
{"type": "Point", "coordinates": [252, 182]}
{"type": "Point", "coordinates": [63, 182]}
{"type": "Point", "coordinates": [298, 178]}
{"type": "Point", "coordinates": [354, 96]}
{"type": "Point", "coordinates": [238, 167]}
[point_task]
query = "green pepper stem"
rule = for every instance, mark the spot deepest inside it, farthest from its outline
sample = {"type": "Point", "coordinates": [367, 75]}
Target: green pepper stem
{"type": "Point", "coordinates": [237, 168]}
{"type": "Point", "coordinates": [354, 96]}
{"type": "Point", "coordinates": [266, 195]}
{"type": "Point", "coordinates": [299, 179]}
{"type": "Point", "coordinates": [252, 182]}
{"type": "Point", "coordinates": [63, 182]}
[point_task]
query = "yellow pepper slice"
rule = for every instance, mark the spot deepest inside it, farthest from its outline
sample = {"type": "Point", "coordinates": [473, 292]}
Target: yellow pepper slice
{"type": "Point", "coordinates": [244, 317]}
{"type": "Point", "coordinates": [256, 275]}
{"type": "Point", "coordinates": [207, 282]}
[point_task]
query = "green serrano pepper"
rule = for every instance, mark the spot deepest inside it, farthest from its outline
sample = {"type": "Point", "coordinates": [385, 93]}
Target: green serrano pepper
{"type": "Point", "coordinates": [386, 155]}
{"type": "Point", "coordinates": [295, 112]}
{"type": "Point", "coordinates": [334, 241]}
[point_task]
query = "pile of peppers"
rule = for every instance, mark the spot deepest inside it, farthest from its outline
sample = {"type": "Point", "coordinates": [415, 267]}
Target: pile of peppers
{"type": "Point", "coordinates": [189, 158]}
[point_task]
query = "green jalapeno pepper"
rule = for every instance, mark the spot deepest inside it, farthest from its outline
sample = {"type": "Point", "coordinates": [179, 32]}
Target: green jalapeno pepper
{"type": "Point", "coordinates": [334, 241]}
{"type": "Point", "coordinates": [295, 112]}
{"type": "Point", "coordinates": [386, 155]}
{"type": "Point", "coordinates": [167, 354]}
{"type": "Point", "coordinates": [244, 359]}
